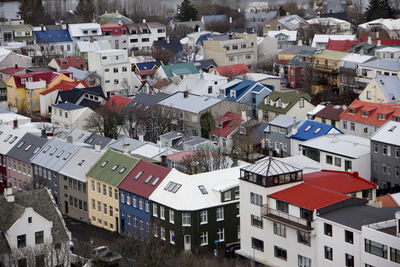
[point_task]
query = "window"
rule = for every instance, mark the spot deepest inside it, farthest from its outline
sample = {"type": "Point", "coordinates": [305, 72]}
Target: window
{"type": "Point", "coordinates": [364, 113]}
{"type": "Point", "coordinates": [172, 237]}
{"type": "Point", "coordinates": [186, 219]}
{"type": "Point", "coordinates": [204, 238]}
{"type": "Point", "coordinates": [256, 221]}
{"type": "Point", "coordinates": [39, 238]}
{"type": "Point", "coordinates": [220, 213]}
{"type": "Point", "coordinates": [146, 206]}
{"type": "Point", "coordinates": [375, 148]}
{"type": "Point", "coordinates": [349, 260]}
{"type": "Point", "coordinates": [128, 198]}
{"type": "Point", "coordinates": [279, 229]}
{"type": "Point", "coordinates": [111, 210]}
{"type": "Point", "coordinates": [203, 217]}
{"type": "Point", "coordinates": [280, 253]}
{"type": "Point", "coordinates": [221, 234]}
{"type": "Point", "coordinates": [237, 193]}
{"type": "Point", "coordinates": [134, 203]}
{"type": "Point", "coordinates": [109, 191]}
{"type": "Point", "coordinates": [386, 150]}
{"type": "Point", "coordinates": [162, 213]}
{"type": "Point", "coordinates": [303, 238]}
{"type": "Point", "coordinates": [282, 206]}
{"type": "Point", "coordinates": [348, 235]}
{"type": "Point", "coordinates": [329, 160]}
{"type": "Point", "coordinates": [93, 204]}
{"type": "Point", "coordinates": [21, 241]}
{"type": "Point", "coordinates": [115, 70]}
{"type": "Point", "coordinates": [344, 124]}
{"type": "Point", "coordinates": [328, 229]}
{"type": "Point", "coordinates": [352, 126]}
{"type": "Point", "coordinates": [328, 253]}
{"type": "Point", "coordinates": [105, 209]}
{"type": "Point", "coordinates": [256, 199]}
{"type": "Point", "coordinates": [369, 95]}
{"type": "Point", "coordinates": [395, 255]}
{"type": "Point", "coordinates": [99, 206]}
{"type": "Point", "coordinates": [227, 195]}
{"type": "Point", "coordinates": [376, 248]}
{"type": "Point", "coordinates": [381, 116]}
{"type": "Point", "coordinates": [171, 216]}
{"type": "Point", "coordinates": [303, 261]}
{"type": "Point", "coordinates": [140, 203]}
{"type": "Point", "coordinates": [162, 233]}
{"type": "Point", "coordinates": [338, 162]}
{"type": "Point", "coordinates": [257, 244]}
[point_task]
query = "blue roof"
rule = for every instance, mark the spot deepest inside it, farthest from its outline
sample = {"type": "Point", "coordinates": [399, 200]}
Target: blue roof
{"type": "Point", "coordinates": [68, 106]}
{"type": "Point", "coordinates": [311, 129]}
{"type": "Point", "coordinates": [148, 65]}
{"type": "Point", "coordinates": [242, 87]}
{"type": "Point", "coordinates": [202, 38]}
{"type": "Point", "coordinates": [52, 36]}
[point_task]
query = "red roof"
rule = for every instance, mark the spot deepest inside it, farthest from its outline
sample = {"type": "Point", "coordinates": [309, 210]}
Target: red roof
{"type": "Point", "coordinates": [66, 62]}
{"type": "Point", "coordinates": [65, 85]}
{"type": "Point", "coordinates": [35, 77]}
{"type": "Point", "coordinates": [341, 45]}
{"type": "Point", "coordinates": [389, 109]}
{"type": "Point", "coordinates": [138, 186]}
{"type": "Point", "coordinates": [116, 103]}
{"type": "Point", "coordinates": [331, 112]}
{"type": "Point", "coordinates": [338, 181]}
{"type": "Point", "coordinates": [231, 71]}
{"type": "Point", "coordinates": [114, 29]}
{"type": "Point", "coordinates": [145, 72]}
{"type": "Point", "coordinates": [11, 71]}
{"type": "Point", "coordinates": [230, 121]}
{"type": "Point", "coordinates": [309, 196]}
{"type": "Point", "coordinates": [387, 201]}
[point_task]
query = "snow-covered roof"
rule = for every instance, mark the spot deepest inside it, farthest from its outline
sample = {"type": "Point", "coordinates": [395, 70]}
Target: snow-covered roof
{"type": "Point", "coordinates": [77, 30]}
{"type": "Point", "coordinates": [196, 83]}
{"type": "Point", "coordinates": [9, 137]}
{"type": "Point", "coordinates": [292, 35]}
{"type": "Point", "coordinates": [257, 77]}
{"type": "Point", "coordinates": [327, 21]}
{"type": "Point", "coordinates": [324, 38]}
{"type": "Point", "coordinates": [389, 133]}
{"type": "Point", "coordinates": [356, 58]}
{"type": "Point", "coordinates": [93, 46]}
{"type": "Point", "coordinates": [389, 49]}
{"type": "Point", "coordinates": [350, 146]}
{"type": "Point", "coordinates": [318, 108]}
{"type": "Point", "coordinates": [189, 196]}
{"type": "Point", "coordinates": [302, 162]}
{"type": "Point", "coordinates": [192, 103]}
{"type": "Point", "coordinates": [391, 24]}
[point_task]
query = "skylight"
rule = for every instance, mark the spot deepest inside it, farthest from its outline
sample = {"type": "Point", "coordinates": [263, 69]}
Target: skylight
{"type": "Point", "coordinates": [13, 139]}
{"type": "Point", "coordinates": [67, 156]}
{"type": "Point", "coordinates": [138, 175]}
{"type": "Point", "coordinates": [36, 150]}
{"type": "Point", "coordinates": [308, 128]}
{"type": "Point", "coordinates": [81, 162]}
{"type": "Point", "coordinates": [46, 149]}
{"type": "Point", "coordinates": [155, 181]}
{"type": "Point", "coordinates": [392, 129]}
{"type": "Point", "coordinates": [7, 138]}
{"type": "Point", "coordinates": [168, 185]}
{"type": "Point", "coordinates": [176, 188]}
{"type": "Point", "coordinates": [1, 132]}
{"type": "Point", "coordinates": [27, 148]}
{"type": "Point", "coordinates": [54, 151]}
{"type": "Point", "coordinates": [114, 167]}
{"type": "Point", "coordinates": [20, 144]}
{"type": "Point", "coordinates": [148, 178]}
{"type": "Point", "coordinates": [104, 163]}
{"type": "Point", "coordinates": [59, 154]}
{"type": "Point", "coordinates": [318, 130]}
{"type": "Point", "coordinates": [122, 170]}
{"type": "Point", "coordinates": [203, 189]}
{"type": "Point", "coordinates": [172, 187]}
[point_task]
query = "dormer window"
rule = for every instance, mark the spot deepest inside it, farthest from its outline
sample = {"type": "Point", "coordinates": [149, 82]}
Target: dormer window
{"type": "Point", "coordinates": [233, 94]}
{"type": "Point", "coordinates": [268, 101]}
{"type": "Point", "coordinates": [381, 116]}
{"type": "Point", "coordinates": [364, 113]}
{"type": "Point", "coordinates": [219, 124]}
{"type": "Point", "coordinates": [351, 111]}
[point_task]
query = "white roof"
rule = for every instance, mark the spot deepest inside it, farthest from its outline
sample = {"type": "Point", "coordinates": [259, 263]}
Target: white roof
{"type": "Point", "coordinates": [197, 83]}
{"type": "Point", "coordinates": [257, 77]}
{"type": "Point", "coordinates": [327, 21]}
{"type": "Point", "coordinates": [396, 197]}
{"type": "Point", "coordinates": [324, 38]}
{"type": "Point", "coordinates": [350, 146]}
{"type": "Point", "coordinates": [356, 58]}
{"type": "Point", "coordinates": [189, 197]}
{"type": "Point", "coordinates": [291, 34]}
{"type": "Point", "coordinates": [77, 29]}
{"type": "Point", "coordinates": [153, 151]}
{"type": "Point", "coordinates": [9, 136]}
{"type": "Point", "coordinates": [317, 109]}
{"type": "Point", "coordinates": [192, 103]}
{"type": "Point", "coordinates": [391, 24]}
{"type": "Point", "coordinates": [9, 117]}
{"type": "Point", "coordinates": [389, 133]}
{"type": "Point", "coordinates": [4, 53]}
{"type": "Point", "coordinates": [78, 171]}
{"type": "Point", "coordinates": [388, 49]}
{"type": "Point", "coordinates": [302, 162]}
{"type": "Point", "coordinates": [93, 46]}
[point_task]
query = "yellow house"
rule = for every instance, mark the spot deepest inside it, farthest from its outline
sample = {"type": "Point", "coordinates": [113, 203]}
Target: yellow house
{"type": "Point", "coordinates": [382, 89]}
{"type": "Point", "coordinates": [23, 90]}
{"type": "Point", "coordinates": [103, 181]}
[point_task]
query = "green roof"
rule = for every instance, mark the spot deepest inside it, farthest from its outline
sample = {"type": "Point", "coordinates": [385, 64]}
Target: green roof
{"type": "Point", "coordinates": [180, 68]}
{"type": "Point", "coordinates": [368, 49]}
{"type": "Point", "coordinates": [291, 98]}
{"type": "Point", "coordinates": [23, 38]}
{"type": "Point", "coordinates": [22, 27]}
{"type": "Point", "coordinates": [106, 17]}
{"type": "Point", "coordinates": [113, 159]}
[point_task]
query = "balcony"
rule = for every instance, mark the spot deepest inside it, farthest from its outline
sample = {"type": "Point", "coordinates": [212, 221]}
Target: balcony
{"type": "Point", "coordinates": [286, 219]}
{"type": "Point", "coordinates": [325, 68]}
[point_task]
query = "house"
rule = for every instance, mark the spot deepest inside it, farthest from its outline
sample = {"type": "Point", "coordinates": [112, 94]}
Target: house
{"type": "Point", "coordinates": [333, 152]}
{"type": "Point", "coordinates": [171, 47]}
{"type": "Point", "coordinates": [114, 68]}
{"type": "Point", "coordinates": [11, 59]}
{"type": "Point", "coordinates": [326, 70]}
{"type": "Point", "coordinates": [285, 38]}
{"type": "Point", "coordinates": [382, 89]}
{"type": "Point", "coordinates": [67, 62]}
{"type": "Point", "coordinates": [180, 161]}
{"type": "Point", "coordinates": [20, 177]}
{"type": "Point", "coordinates": [232, 48]}
{"type": "Point", "coordinates": [48, 97]}
{"type": "Point", "coordinates": [391, 26]}
{"type": "Point", "coordinates": [146, 70]}
{"type": "Point", "coordinates": [47, 163]}
{"type": "Point", "coordinates": [364, 118]}
{"type": "Point", "coordinates": [95, 139]}
{"type": "Point", "coordinates": [368, 70]}
{"type": "Point", "coordinates": [175, 72]}
{"type": "Point", "coordinates": [6, 35]}
{"type": "Point", "coordinates": [73, 183]}
{"type": "Point", "coordinates": [91, 97]}
{"type": "Point", "coordinates": [321, 40]}
{"type": "Point", "coordinates": [182, 142]}
{"type": "Point", "coordinates": [307, 131]}
{"type": "Point", "coordinates": [299, 69]}
{"type": "Point", "coordinates": [333, 25]}
{"type": "Point", "coordinates": [289, 103]}
{"type": "Point", "coordinates": [69, 115]}
{"type": "Point", "coordinates": [8, 72]}
{"type": "Point", "coordinates": [142, 35]}
{"type": "Point", "coordinates": [211, 213]}
{"type": "Point", "coordinates": [385, 154]}
{"type": "Point", "coordinates": [23, 33]}
{"type": "Point", "coordinates": [330, 114]}
{"type": "Point", "coordinates": [113, 18]}
{"type": "Point", "coordinates": [91, 78]}
{"type": "Point", "coordinates": [225, 127]}
{"type": "Point", "coordinates": [247, 92]}
{"type": "Point", "coordinates": [278, 135]}
{"type": "Point", "coordinates": [82, 48]}
{"type": "Point", "coordinates": [286, 55]}
{"type": "Point", "coordinates": [388, 52]}
{"type": "Point", "coordinates": [116, 35]}
{"type": "Point", "coordinates": [348, 71]}
{"type": "Point", "coordinates": [289, 22]}
{"type": "Point", "coordinates": [103, 180]}
{"type": "Point", "coordinates": [230, 71]}
{"type": "Point", "coordinates": [187, 110]}
{"type": "Point", "coordinates": [134, 205]}
{"type": "Point", "coordinates": [36, 233]}
{"type": "Point", "coordinates": [86, 32]}
{"type": "Point", "coordinates": [263, 78]}
{"type": "Point", "coordinates": [342, 45]}
{"type": "Point", "coordinates": [55, 42]}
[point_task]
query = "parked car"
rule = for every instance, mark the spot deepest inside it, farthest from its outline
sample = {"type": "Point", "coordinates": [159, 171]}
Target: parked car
{"type": "Point", "coordinates": [104, 257]}
{"type": "Point", "coordinates": [231, 249]}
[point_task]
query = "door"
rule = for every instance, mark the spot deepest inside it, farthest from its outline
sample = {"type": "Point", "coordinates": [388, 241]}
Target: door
{"type": "Point", "coordinates": [188, 241]}
{"type": "Point", "coordinates": [66, 207]}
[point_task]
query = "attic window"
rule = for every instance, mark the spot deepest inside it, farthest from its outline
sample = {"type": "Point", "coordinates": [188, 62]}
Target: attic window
{"type": "Point", "coordinates": [20, 144]}
{"type": "Point", "coordinates": [67, 156]}
{"type": "Point", "coordinates": [392, 129]}
{"type": "Point", "coordinates": [203, 189]}
{"type": "Point", "coordinates": [308, 128]}
{"type": "Point", "coordinates": [27, 148]}
{"type": "Point", "coordinates": [148, 178]}
{"type": "Point", "coordinates": [364, 113]}
{"type": "Point", "coordinates": [351, 111]}
{"type": "Point", "coordinates": [7, 138]}
{"type": "Point", "coordinates": [81, 162]}
{"type": "Point", "coordinates": [155, 181]}
{"type": "Point", "coordinates": [122, 170]}
{"type": "Point", "coordinates": [59, 154]}
{"type": "Point", "coordinates": [13, 139]}
{"type": "Point", "coordinates": [317, 130]}
{"type": "Point", "coordinates": [114, 167]}
{"type": "Point", "coordinates": [104, 163]}
{"type": "Point", "coordinates": [381, 116]}
{"type": "Point", "coordinates": [138, 175]}
{"type": "Point", "coordinates": [46, 149]}
{"type": "Point", "coordinates": [64, 62]}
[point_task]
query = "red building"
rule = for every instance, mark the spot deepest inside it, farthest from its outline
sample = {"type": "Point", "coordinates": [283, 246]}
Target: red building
{"type": "Point", "coordinates": [298, 73]}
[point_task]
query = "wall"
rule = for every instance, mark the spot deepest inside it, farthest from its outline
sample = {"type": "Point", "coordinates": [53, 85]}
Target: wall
{"type": "Point", "coordinates": [377, 95]}
{"type": "Point", "coordinates": [381, 159]}
{"type": "Point", "coordinates": [22, 175]}
{"type": "Point", "coordinates": [76, 191]}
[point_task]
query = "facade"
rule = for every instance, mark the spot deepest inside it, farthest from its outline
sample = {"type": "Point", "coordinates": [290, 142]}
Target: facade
{"type": "Point", "coordinates": [63, 63]}
{"type": "Point", "coordinates": [134, 205]}
{"type": "Point", "coordinates": [73, 183]}
{"type": "Point", "coordinates": [225, 127]}
{"type": "Point", "coordinates": [348, 71]}
{"type": "Point", "coordinates": [86, 32]}
{"type": "Point", "coordinates": [332, 152]}
{"type": "Point", "coordinates": [382, 89]}
{"type": "Point", "coordinates": [299, 69]}
{"type": "Point", "coordinates": [70, 115]}
{"type": "Point", "coordinates": [333, 25]}
{"type": "Point", "coordinates": [209, 219]}
{"type": "Point", "coordinates": [368, 70]}
{"type": "Point", "coordinates": [175, 72]}
{"type": "Point", "coordinates": [320, 41]}
{"type": "Point", "coordinates": [385, 155]}
{"type": "Point", "coordinates": [231, 49]}
{"type": "Point", "coordinates": [103, 196]}
{"type": "Point", "coordinates": [82, 48]}
{"type": "Point", "coordinates": [143, 35]}
{"type": "Point", "coordinates": [116, 35]}
{"type": "Point", "coordinates": [284, 37]}
{"type": "Point", "coordinates": [23, 33]}
{"type": "Point", "coordinates": [289, 22]}
{"type": "Point", "coordinates": [54, 43]}
{"type": "Point", "coordinates": [182, 142]}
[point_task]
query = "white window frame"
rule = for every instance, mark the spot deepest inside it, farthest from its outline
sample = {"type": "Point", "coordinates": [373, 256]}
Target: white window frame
{"type": "Point", "coordinates": [203, 238]}
{"type": "Point", "coordinates": [171, 216]}
{"type": "Point", "coordinates": [162, 213]}
{"type": "Point", "coordinates": [220, 213]}
{"type": "Point", "coordinates": [155, 211]}
{"type": "Point", "coordinates": [203, 217]}
{"type": "Point", "coordinates": [186, 219]}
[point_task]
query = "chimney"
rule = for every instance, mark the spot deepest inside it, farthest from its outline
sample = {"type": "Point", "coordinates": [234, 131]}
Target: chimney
{"type": "Point", "coordinates": [127, 147]}
{"type": "Point", "coordinates": [167, 40]}
{"type": "Point", "coordinates": [230, 35]}
{"type": "Point", "coordinates": [91, 39]}
{"type": "Point", "coordinates": [116, 11]}
{"type": "Point", "coordinates": [355, 174]}
{"type": "Point", "coordinates": [300, 42]}
{"type": "Point", "coordinates": [185, 94]}
{"type": "Point", "coordinates": [97, 147]}
{"type": "Point", "coordinates": [199, 29]}
{"type": "Point", "coordinates": [43, 133]}
{"type": "Point", "coordinates": [230, 20]}
{"type": "Point", "coordinates": [69, 139]}
{"type": "Point", "coordinates": [379, 43]}
{"type": "Point", "coordinates": [369, 40]}
{"type": "Point", "coordinates": [244, 116]}
{"type": "Point", "coordinates": [9, 195]}
{"type": "Point", "coordinates": [377, 35]}
{"type": "Point", "coordinates": [164, 160]}
{"type": "Point", "coordinates": [294, 129]}
{"type": "Point", "coordinates": [42, 27]}
{"type": "Point", "coordinates": [16, 66]}
{"type": "Point", "coordinates": [141, 137]}
{"type": "Point", "coordinates": [144, 20]}
{"type": "Point", "coordinates": [15, 123]}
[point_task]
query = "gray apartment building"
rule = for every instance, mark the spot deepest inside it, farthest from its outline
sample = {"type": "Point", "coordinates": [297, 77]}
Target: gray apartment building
{"type": "Point", "coordinates": [385, 156]}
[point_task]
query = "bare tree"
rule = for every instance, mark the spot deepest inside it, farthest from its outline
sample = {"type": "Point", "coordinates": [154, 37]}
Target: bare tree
{"type": "Point", "coordinates": [205, 159]}
{"type": "Point", "coordinates": [163, 55]}
{"type": "Point", "coordinates": [191, 52]}
{"type": "Point", "coordinates": [105, 122]}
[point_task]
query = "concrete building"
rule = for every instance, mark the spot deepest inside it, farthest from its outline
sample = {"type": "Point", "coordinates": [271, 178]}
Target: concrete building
{"type": "Point", "coordinates": [142, 35]}
{"type": "Point", "coordinates": [70, 115]}
{"type": "Point", "coordinates": [87, 32]}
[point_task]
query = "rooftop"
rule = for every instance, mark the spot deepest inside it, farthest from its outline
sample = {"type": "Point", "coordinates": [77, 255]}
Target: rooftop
{"type": "Point", "coordinates": [27, 146]}
{"type": "Point", "coordinates": [312, 129]}
{"type": "Point", "coordinates": [68, 106]}
{"type": "Point", "coordinates": [270, 167]}
{"type": "Point", "coordinates": [331, 112]}
{"type": "Point", "coordinates": [389, 133]}
{"type": "Point", "coordinates": [192, 103]}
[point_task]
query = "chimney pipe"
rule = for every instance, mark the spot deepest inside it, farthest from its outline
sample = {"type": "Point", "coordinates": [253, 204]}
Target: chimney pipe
{"type": "Point", "coordinates": [144, 20]}
{"type": "Point", "coordinates": [369, 40]}
{"type": "Point", "coordinates": [69, 139]}
{"type": "Point", "coordinates": [43, 133]}
{"type": "Point", "coordinates": [16, 66]}
{"type": "Point", "coordinates": [9, 195]}
{"type": "Point", "coordinates": [126, 147]}
{"type": "Point", "coordinates": [185, 94]}
{"type": "Point", "coordinates": [15, 123]}
{"type": "Point", "coordinates": [164, 160]}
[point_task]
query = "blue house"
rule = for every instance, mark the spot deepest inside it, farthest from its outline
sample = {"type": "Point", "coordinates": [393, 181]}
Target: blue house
{"type": "Point", "coordinates": [246, 91]}
{"type": "Point", "coordinates": [134, 204]}
{"type": "Point", "coordinates": [309, 130]}
{"type": "Point", "coordinates": [57, 41]}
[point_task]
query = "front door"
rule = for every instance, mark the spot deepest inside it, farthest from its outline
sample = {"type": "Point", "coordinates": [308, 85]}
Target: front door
{"type": "Point", "coordinates": [188, 241]}
{"type": "Point", "coordinates": [66, 207]}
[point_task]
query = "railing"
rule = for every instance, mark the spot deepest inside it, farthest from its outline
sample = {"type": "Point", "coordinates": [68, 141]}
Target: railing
{"type": "Point", "coordinates": [265, 211]}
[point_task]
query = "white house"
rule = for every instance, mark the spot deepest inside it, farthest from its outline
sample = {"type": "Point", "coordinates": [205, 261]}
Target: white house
{"type": "Point", "coordinates": [334, 25]}
{"type": "Point", "coordinates": [340, 152]}
{"type": "Point", "coordinates": [85, 32]}
{"type": "Point", "coordinates": [70, 116]}
{"type": "Point", "coordinates": [284, 37]}
{"type": "Point", "coordinates": [142, 35]}
{"type": "Point", "coordinates": [391, 26]}
{"type": "Point", "coordinates": [321, 40]}
{"type": "Point", "coordinates": [388, 52]}
{"type": "Point", "coordinates": [368, 70]}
